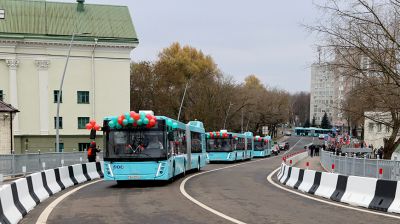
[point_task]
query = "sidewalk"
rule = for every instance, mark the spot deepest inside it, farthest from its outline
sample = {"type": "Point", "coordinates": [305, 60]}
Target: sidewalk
{"type": "Point", "coordinates": [314, 163]}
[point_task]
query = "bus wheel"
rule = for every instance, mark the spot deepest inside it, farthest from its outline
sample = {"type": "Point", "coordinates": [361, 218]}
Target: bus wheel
{"type": "Point", "coordinates": [184, 168]}
{"type": "Point", "coordinates": [198, 165]}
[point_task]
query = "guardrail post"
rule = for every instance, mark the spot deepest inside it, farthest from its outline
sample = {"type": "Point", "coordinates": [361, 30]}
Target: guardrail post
{"type": "Point", "coordinates": [40, 161]}
{"type": "Point", "coordinates": [365, 159]}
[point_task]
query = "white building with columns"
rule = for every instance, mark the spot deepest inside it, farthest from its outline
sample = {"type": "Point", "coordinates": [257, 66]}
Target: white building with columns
{"type": "Point", "coordinates": [34, 41]}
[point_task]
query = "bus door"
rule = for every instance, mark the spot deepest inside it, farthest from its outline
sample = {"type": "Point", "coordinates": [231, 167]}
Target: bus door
{"type": "Point", "coordinates": [245, 147]}
{"type": "Point", "coordinates": [189, 148]}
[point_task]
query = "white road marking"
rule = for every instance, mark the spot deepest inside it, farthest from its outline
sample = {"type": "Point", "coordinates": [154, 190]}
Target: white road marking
{"type": "Point", "coordinates": [269, 178]}
{"type": "Point", "coordinates": [220, 214]}
{"type": "Point", "coordinates": [46, 212]}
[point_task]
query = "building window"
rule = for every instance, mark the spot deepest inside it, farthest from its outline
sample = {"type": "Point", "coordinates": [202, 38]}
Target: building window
{"type": "Point", "coordinates": [55, 94]}
{"type": "Point", "coordinates": [83, 97]}
{"type": "Point", "coordinates": [83, 146]}
{"type": "Point", "coordinates": [61, 146]}
{"type": "Point", "coordinates": [379, 127]}
{"type": "Point", "coordinates": [1, 95]}
{"type": "Point", "coordinates": [82, 121]}
{"type": "Point", "coordinates": [371, 127]}
{"type": "Point", "coordinates": [60, 123]}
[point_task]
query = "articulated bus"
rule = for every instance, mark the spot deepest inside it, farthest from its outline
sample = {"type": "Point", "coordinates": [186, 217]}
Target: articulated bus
{"type": "Point", "coordinates": [311, 131]}
{"type": "Point", "coordinates": [224, 146]}
{"type": "Point", "coordinates": [157, 150]}
{"type": "Point", "coordinates": [262, 146]}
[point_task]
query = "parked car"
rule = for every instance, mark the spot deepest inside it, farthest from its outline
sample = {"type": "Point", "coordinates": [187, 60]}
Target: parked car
{"type": "Point", "coordinates": [321, 136]}
{"type": "Point", "coordinates": [275, 150]}
{"type": "Point", "coordinates": [288, 133]}
{"type": "Point", "coordinates": [287, 146]}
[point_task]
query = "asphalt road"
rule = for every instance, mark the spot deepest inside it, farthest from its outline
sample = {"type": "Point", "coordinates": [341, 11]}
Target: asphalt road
{"type": "Point", "coordinates": [241, 192]}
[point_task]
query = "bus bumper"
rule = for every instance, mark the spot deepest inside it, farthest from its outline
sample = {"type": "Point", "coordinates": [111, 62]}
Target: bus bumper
{"type": "Point", "coordinates": [117, 171]}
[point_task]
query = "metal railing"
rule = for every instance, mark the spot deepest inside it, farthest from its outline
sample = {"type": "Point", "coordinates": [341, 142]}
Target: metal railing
{"type": "Point", "coordinates": [354, 166]}
{"type": "Point", "coordinates": [20, 164]}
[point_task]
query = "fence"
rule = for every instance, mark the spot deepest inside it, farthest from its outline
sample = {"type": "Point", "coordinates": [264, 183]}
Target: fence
{"type": "Point", "coordinates": [382, 169]}
{"type": "Point", "coordinates": [17, 164]}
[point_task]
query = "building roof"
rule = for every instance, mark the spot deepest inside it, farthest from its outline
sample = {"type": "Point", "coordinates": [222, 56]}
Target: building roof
{"type": "Point", "coordinates": [7, 107]}
{"type": "Point", "coordinates": [35, 19]}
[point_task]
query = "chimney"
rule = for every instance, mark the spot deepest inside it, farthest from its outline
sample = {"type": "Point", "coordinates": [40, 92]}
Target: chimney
{"type": "Point", "coordinates": [80, 7]}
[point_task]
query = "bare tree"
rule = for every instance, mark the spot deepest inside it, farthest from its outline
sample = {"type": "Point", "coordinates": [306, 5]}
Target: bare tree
{"type": "Point", "coordinates": [362, 38]}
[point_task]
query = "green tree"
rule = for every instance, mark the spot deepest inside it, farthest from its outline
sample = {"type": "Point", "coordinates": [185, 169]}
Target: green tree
{"type": "Point", "coordinates": [325, 122]}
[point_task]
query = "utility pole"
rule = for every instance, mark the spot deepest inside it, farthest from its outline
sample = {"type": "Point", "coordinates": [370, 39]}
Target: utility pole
{"type": "Point", "coordinates": [227, 113]}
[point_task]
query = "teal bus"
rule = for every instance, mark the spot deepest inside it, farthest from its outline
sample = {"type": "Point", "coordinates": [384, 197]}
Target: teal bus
{"type": "Point", "coordinates": [311, 131]}
{"type": "Point", "coordinates": [147, 147]}
{"type": "Point", "coordinates": [249, 145]}
{"type": "Point", "coordinates": [224, 146]}
{"type": "Point", "coordinates": [262, 146]}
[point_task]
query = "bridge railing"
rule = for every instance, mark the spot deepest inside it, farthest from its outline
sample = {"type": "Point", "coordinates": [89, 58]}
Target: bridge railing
{"type": "Point", "coordinates": [346, 165]}
{"type": "Point", "coordinates": [19, 164]}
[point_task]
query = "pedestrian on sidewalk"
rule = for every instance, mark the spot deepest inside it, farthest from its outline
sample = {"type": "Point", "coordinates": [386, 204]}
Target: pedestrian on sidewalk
{"type": "Point", "coordinates": [317, 150]}
{"type": "Point", "coordinates": [91, 153]}
{"type": "Point", "coordinates": [312, 147]}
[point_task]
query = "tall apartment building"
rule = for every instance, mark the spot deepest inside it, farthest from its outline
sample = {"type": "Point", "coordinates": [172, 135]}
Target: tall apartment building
{"type": "Point", "coordinates": [34, 41]}
{"type": "Point", "coordinates": [322, 92]}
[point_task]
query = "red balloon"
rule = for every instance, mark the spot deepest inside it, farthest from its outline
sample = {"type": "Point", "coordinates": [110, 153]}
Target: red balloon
{"type": "Point", "coordinates": [136, 116]}
{"type": "Point", "coordinates": [149, 116]}
{"type": "Point", "coordinates": [134, 124]}
{"type": "Point", "coordinates": [211, 135]}
{"type": "Point", "coordinates": [89, 126]}
{"type": "Point", "coordinates": [148, 126]}
{"type": "Point", "coordinates": [97, 127]}
{"type": "Point", "coordinates": [120, 119]}
{"type": "Point", "coordinates": [152, 122]}
{"type": "Point", "coordinates": [92, 122]}
{"type": "Point", "coordinates": [132, 114]}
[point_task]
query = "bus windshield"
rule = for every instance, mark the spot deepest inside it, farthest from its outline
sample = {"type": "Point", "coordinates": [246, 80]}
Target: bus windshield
{"type": "Point", "coordinates": [136, 145]}
{"type": "Point", "coordinates": [219, 145]}
{"type": "Point", "coordinates": [258, 146]}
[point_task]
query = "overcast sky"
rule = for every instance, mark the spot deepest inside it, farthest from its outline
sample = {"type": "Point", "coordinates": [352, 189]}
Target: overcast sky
{"type": "Point", "coordinates": [262, 37]}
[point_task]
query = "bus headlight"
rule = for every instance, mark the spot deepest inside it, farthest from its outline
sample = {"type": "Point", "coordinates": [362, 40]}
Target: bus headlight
{"type": "Point", "coordinates": [229, 156]}
{"type": "Point", "coordinates": [161, 169]}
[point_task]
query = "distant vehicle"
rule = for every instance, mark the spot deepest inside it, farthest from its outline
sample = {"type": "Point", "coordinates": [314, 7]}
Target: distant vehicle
{"type": "Point", "coordinates": [275, 150]}
{"type": "Point", "coordinates": [288, 133]}
{"type": "Point", "coordinates": [321, 136]}
{"type": "Point", "coordinates": [287, 146]}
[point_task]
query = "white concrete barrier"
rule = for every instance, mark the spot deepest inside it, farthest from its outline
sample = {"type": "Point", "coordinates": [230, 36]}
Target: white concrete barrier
{"type": "Point", "coordinates": [51, 181]}
{"type": "Point", "coordinates": [359, 191]}
{"type": "Point", "coordinates": [280, 171]}
{"type": "Point", "coordinates": [294, 176]}
{"type": "Point", "coordinates": [64, 176]}
{"type": "Point", "coordinates": [38, 187]}
{"type": "Point", "coordinates": [327, 185]}
{"type": "Point", "coordinates": [308, 180]}
{"type": "Point", "coordinates": [285, 174]}
{"type": "Point", "coordinates": [10, 211]}
{"type": "Point", "coordinates": [395, 206]}
{"type": "Point", "coordinates": [78, 173]}
{"type": "Point", "coordinates": [23, 194]}
{"type": "Point", "coordinates": [92, 171]}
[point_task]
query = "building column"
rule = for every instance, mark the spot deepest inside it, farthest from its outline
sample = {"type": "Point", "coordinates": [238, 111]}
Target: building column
{"type": "Point", "coordinates": [43, 75]}
{"type": "Point", "coordinates": [13, 90]}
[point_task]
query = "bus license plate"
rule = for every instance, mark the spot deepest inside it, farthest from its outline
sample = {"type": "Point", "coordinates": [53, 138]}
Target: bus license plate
{"type": "Point", "coordinates": [133, 177]}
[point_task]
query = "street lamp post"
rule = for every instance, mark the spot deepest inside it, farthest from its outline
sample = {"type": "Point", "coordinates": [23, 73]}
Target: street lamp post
{"type": "Point", "coordinates": [59, 92]}
{"type": "Point", "coordinates": [227, 113]}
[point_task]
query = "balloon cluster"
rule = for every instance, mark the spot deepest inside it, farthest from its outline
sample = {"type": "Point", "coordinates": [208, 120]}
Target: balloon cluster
{"type": "Point", "coordinates": [92, 125]}
{"type": "Point", "coordinates": [171, 124]}
{"type": "Point", "coordinates": [132, 119]}
{"type": "Point", "coordinates": [258, 139]}
{"type": "Point", "coordinates": [217, 135]}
